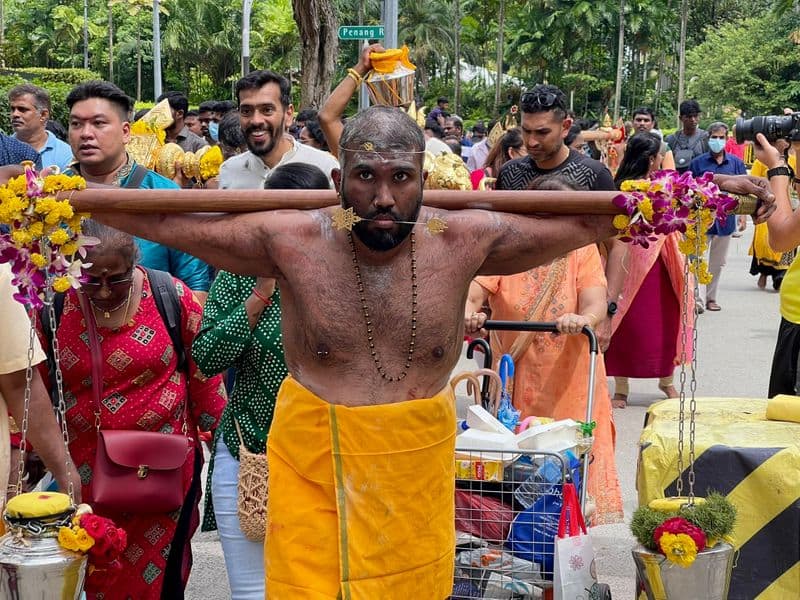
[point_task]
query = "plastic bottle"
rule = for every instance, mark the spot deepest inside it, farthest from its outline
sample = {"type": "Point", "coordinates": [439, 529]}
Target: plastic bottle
{"type": "Point", "coordinates": [538, 482]}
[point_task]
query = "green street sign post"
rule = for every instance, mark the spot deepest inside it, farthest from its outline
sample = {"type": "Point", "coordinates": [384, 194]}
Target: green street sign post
{"type": "Point", "coordinates": [361, 32]}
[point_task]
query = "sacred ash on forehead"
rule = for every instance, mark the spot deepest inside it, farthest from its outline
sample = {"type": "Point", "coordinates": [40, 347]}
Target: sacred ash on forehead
{"type": "Point", "coordinates": [380, 132]}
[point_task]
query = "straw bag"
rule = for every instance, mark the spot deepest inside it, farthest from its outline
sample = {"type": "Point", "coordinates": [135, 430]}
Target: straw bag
{"type": "Point", "coordinates": [251, 502]}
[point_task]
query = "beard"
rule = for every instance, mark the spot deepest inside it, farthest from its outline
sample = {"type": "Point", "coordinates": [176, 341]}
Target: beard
{"type": "Point", "coordinates": [267, 146]}
{"type": "Point", "coordinates": [381, 240]}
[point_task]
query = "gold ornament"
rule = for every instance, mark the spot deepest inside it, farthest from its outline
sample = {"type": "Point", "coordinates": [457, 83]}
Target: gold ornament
{"type": "Point", "coordinates": [447, 172]}
{"type": "Point", "coordinates": [344, 218]}
{"type": "Point", "coordinates": [436, 225]}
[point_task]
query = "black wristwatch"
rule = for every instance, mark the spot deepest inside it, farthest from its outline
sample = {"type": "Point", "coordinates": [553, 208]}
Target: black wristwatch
{"type": "Point", "coordinates": [779, 171]}
{"type": "Point", "coordinates": [612, 308]}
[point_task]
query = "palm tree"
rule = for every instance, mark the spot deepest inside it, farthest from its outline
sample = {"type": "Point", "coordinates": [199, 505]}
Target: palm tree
{"type": "Point", "coordinates": [427, 29]}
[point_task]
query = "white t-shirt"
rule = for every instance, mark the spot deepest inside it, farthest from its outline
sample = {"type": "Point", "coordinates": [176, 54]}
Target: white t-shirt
{"type": "Point", "coordinates": [247, 171]}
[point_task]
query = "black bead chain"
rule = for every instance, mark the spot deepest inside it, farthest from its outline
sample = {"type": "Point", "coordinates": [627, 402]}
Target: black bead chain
{"type": "Point", "coordinates": [368, 321]}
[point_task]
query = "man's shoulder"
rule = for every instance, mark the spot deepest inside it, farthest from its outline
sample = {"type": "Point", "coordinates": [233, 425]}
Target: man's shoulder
{"type": "Point", "coordinates": [237, 162]}
{"type": "Point", "coordinates": [586, 172]}
{"type": "Point", "coordinates": [517, 174]}
{"type": "Point", "coordinates": [154, 181]}
{"type": "Point", "coordinates": [315, 156]}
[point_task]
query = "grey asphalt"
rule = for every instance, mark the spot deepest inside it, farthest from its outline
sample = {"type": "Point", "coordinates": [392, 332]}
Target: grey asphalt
{"type": "Point", "coordinates": [734, 355]}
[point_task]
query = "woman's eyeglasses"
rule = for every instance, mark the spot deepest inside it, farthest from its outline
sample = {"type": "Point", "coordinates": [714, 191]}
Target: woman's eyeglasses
{"type": "Point", "coordinates": [95, 283]}
{"type": "Point", "coordinates": [544, 100]}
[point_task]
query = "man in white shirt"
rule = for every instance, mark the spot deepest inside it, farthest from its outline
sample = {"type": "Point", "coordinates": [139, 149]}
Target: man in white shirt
{"type": "Point", "coordinates": [265, 113]}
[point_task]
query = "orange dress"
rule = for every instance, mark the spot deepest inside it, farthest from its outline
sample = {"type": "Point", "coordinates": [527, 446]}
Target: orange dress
{"type": "Point", "coordinates": [552, 375]}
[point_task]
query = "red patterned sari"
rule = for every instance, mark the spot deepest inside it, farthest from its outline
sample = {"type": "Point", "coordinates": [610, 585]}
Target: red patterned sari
{"type": "Point", "coordinates": [142, 389]}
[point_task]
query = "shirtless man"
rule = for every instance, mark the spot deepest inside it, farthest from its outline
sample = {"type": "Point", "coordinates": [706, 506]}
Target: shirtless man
{"type": "Point", "coordinates": [361, 445]}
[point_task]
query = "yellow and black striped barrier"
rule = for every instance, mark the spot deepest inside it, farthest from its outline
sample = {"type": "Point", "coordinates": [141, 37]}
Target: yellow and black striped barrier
{"type": "Point", "coordinates": [756, 464]}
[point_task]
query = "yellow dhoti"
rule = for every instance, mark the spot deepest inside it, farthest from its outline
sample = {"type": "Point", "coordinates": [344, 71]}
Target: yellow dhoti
{"type": "Point", "coordinates": [360, 499]}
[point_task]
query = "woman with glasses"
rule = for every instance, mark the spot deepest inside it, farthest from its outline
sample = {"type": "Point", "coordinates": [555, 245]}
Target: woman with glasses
{"type": "Point", "coordinates": [144, 387]}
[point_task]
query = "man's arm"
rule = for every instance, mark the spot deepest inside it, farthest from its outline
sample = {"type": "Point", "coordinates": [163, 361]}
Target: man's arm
{"type": "Point", "coordinates": [784, 224]}
{"type": "Point", "coordinates": [236, 243]}
{"type": "Point", "coordinates": [516, 243]}
{"type": "Point", "coordinates": [668, 162]}
{"type": "Point", "coordinates": [44, 431]}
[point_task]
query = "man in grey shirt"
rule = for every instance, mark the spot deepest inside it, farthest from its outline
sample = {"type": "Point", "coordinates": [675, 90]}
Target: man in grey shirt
{"type": "Point", "coordinates": [690, 141]}
{"type": "Point", "coordinates": [178, 132]}
{"type": "Point", "coordinates": [265, 113]}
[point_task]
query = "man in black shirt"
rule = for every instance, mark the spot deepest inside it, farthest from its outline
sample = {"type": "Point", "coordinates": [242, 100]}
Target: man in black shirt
{"type": "Point", "coordinates": [545, 124]}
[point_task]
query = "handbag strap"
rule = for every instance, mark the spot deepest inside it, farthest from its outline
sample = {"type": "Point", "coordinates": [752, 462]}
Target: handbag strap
{"type": "Point", "coordinates": [97, 364]}
{"type": "Point", "coordinates": [571, 522]}
{"type": "Point", "coordinates": [238, 431]}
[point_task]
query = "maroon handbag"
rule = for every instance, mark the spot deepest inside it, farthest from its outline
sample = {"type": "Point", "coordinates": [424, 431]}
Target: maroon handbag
{"type": "Point", "coordinates": [134, 471]}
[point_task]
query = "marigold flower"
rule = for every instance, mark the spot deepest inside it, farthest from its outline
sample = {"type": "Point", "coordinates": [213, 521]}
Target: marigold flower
{"type": "Point", "coordinates": [83, 540]}
{"type": "Point", "coordinates": [61, 284]}
{"type": "Point", "coordinates": [38, 259]}
{"type": "Point", "coordinates": [59, 236]}
{"type": "Point", "coordinates": [67, 539]}
{"type": "Point", "coordinates": [678, 548]}
{"type": "Point", "coordinates": [621, 222]}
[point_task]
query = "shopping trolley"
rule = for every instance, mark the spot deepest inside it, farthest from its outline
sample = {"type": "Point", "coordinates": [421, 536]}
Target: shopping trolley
{"type": "Point", "coordinates": [508, 505]}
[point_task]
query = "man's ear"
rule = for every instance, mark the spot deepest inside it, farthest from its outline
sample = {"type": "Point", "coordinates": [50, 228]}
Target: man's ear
{"type": "Point", "coordinates": [565, 125]}
{"type": "Point", "coordinates": [336, 176]}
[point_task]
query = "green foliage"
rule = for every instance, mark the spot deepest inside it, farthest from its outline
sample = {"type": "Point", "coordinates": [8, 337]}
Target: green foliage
{"type": "Point", "coordinates": [716, 517]}
{"type": "Point", "coordinates": [751, 65]}
{"type": "Point", "coordinates": [644, 523]}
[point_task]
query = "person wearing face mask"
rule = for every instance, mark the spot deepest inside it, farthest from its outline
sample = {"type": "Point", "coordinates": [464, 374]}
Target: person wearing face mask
{"type": "Point", "coordinates": [717, 161]}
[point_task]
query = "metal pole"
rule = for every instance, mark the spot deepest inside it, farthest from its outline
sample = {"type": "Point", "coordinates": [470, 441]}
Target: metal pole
{"type": "Point", "coordinates": [85, 34]}
{"type": "Point", "coordinates": [363, 95]}
{"type": "Point", "coordinates": [390, 23]}
{"type": "Point", "coordinates": [247, 8]}
{"type": "Point", "coordinates": [156, 49]}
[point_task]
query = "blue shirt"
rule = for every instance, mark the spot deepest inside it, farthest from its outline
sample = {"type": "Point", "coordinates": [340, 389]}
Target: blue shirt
{"type": "Point", "coordinates": [730, 165]}
{"type": "Point", "coordinates": [55, 152]}
{"type": "Point", "coordinates": [192, 271]}
{"type": "Point", "coordinates": [13, 152]}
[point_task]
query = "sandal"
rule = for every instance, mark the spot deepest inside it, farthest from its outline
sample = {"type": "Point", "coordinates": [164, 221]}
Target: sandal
{"type": "Point", "coordinates": [713, 306]}
{"type": "Point", "coordinates": [619, 401]}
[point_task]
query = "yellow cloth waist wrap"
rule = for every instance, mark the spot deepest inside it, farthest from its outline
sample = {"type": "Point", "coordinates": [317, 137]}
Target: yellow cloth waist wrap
{"type": "Point", "coordinates": [361, 499]}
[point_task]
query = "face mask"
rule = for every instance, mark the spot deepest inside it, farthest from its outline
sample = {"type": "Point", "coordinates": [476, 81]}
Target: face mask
{"type": "Point", "coordinates": [213, 131]}
{"type": "Point", "coordinates": [716, 145]}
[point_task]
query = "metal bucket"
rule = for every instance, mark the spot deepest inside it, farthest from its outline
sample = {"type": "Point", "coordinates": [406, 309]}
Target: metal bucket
{"type": "Point", "coordinates": [708, 578]}
{"type": "Point", "coordinates": [35, 568]}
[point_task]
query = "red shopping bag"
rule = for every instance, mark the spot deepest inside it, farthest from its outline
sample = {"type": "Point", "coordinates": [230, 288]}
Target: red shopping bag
{"type": "Point", "coordinates": [482, 516]}
{"type": "Point", "coordinates": [574, 573]}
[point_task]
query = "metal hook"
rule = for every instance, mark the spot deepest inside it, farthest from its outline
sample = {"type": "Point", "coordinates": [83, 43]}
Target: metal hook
{"type": "Point", "coordinates": [495, 396]}
{"type": "Point", "coordinates": [473, 385]}
{"type": "Point", "coordinates": [487, 361]}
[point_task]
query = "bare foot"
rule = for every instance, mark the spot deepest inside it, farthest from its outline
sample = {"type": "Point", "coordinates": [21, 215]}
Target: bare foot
{"type": "Point", "coordinates": [669, 390]}
{"type": "Point", "coordinates": [619, 401]}
{"type": "Point", "coordinates": [762, 282]}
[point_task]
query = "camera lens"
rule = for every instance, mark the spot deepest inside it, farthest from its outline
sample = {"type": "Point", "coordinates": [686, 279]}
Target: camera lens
{"type": "Point", "coordinates": [773, 127]}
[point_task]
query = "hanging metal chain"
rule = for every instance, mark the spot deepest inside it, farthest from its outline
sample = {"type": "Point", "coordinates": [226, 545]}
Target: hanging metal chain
{"type": "Point", "coordinates": [23, 427]}
{"type": "Point", "coordinates": [693, 382]}
{"type": "Point", "coordinates": [61, 408]}
{"type": "Point", "coordinates": [682, 378]}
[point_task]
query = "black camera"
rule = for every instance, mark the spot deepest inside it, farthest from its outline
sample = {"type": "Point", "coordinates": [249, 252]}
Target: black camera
{"type": "Point", "coordinates": [774, 127]}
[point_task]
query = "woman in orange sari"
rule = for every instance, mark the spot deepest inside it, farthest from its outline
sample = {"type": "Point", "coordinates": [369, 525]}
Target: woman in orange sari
{"type": "Point", "coordinates": [551, 371]}
{"type": "Point", "coordinates": [647, 329]}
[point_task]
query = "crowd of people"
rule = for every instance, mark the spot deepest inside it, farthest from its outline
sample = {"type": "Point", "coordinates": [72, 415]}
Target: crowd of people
{"type": "Point", "coordinates": [332, 349]}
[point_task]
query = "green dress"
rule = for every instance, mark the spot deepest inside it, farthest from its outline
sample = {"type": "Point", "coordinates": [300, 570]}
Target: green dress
{"type": "Point", "coordinates": [225, 341]}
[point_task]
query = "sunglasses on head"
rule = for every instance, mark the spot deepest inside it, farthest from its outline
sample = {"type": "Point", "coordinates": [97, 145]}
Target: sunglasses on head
{"type": "Point", "coordinates": [544, 100]}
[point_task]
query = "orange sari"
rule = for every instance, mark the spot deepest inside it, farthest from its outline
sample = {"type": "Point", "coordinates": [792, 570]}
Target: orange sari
{"type": "Point", "coordinates": [552, 375]}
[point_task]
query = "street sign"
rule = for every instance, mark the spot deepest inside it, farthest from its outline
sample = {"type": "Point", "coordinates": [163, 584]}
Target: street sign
{"type": "Point", "coordinates": [361, 32]}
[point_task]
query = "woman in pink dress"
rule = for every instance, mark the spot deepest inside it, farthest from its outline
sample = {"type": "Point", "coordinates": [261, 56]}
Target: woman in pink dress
{"type": "Point", "coordinates": [144, 387]}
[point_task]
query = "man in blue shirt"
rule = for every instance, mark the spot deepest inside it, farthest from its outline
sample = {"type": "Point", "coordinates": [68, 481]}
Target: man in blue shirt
{"type": "Point", "coordinates": [30, 109]}
{"type": "Point", "coordinates": [717, 161]}
{"type": "Point", "coordinates": [13, 152]}
{"type": "Point", "coordinates": [98, 131]}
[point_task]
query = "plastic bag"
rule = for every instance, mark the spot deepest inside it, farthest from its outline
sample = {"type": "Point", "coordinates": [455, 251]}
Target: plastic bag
{"type": "Point", "coordinates": [574, 570]}
{"type": "Point", "coordinates": [482, 516]}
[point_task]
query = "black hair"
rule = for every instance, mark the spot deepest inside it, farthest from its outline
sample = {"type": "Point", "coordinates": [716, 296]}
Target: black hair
{"type": "Point", "coordinates": [140, 113]}
{"type": "Point", "coordinates": [255, 80]}
{"type": "Point", "coordinates": [230, 130]}
{"type": "Point", "coordinates": [41, 97]}
{"type": "Point", "coordinates": [191, 113]}
{"type": "Point", "coordinates": [223, 107]}
{"type": "Point", "coordinates": [442, 100]}
{"type": "Point", "coordinates": [454, 143]}
{"type": "Point", "coordinates": [307, 114]}
{"type": "Point", "coordinates": [636, 161]}
{"type": "Point", "coordinates": [500, 152]}
{"type": "Point", "coordinates": [574, 131]}
{"type": "Point", "coordinates": [530, 101]}
{"type": "Point", "coordinates": [57, 128]}
{"type": "Point", "coordinates": [316, 132]}
{"type": "Point", "coordinates": [297, 176]}
{"type": "Point", "coordinates": [555, 183]}
{"type": "Point", "coordinates": [177, 101]}
{"type": "Point", "coordinates": [102, 89]}
{"type": "Point", "coordinates": [689, 107]}
{"type": "Point", "coordinates": [717, 125]}
{"type": "Point", "coordinates": [207, 106]}
{"type": "Point", "coordinates": [457, 122]}
{"type": "Point", "coordinates": [436, 129]}
{"type": "Point", "coordinates": [644, 110]}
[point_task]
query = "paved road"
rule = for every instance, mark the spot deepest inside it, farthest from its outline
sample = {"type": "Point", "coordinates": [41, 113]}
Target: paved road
{"type": "Point", "coordinates": [735, 352]}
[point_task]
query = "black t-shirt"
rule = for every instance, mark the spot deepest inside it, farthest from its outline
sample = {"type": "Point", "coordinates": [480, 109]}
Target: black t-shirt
{"type": "Point", "coordinates": [580, 170]}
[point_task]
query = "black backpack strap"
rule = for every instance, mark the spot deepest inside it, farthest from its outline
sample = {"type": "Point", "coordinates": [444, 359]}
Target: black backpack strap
{"type": "Point", "coordinates": [49, 330]}
{"type": "Point", "coordinates": [169, 307]}
{"type": "Point", "coordinates": [136, 178]}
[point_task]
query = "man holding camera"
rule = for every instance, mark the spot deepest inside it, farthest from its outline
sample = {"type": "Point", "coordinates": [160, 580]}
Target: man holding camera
{"type": "Point", "coordinates": [719, 162]}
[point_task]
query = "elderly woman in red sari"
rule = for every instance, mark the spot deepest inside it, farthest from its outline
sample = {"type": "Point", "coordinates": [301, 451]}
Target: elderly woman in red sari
{"type": "Point", "coordinates": [144, 386]}
{"type": "Point", "coordinates": [647, 329]}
